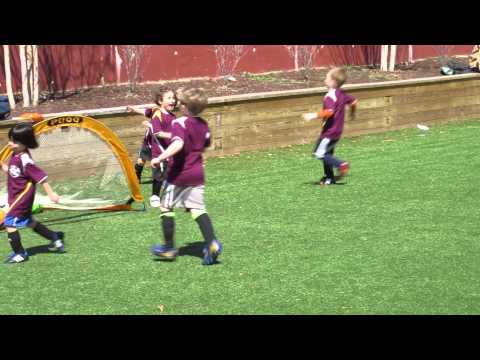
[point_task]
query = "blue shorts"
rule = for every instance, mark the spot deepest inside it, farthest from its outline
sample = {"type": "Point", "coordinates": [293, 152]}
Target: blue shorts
{"type": "Point", "coordinates": [16, 222]}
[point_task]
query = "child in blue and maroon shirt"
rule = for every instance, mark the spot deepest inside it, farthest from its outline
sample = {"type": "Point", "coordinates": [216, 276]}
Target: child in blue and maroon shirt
{"type": "Point", "coordinates": [23, 175]}
{"type": "Point", "coordinates": [333, 114]}
{"type": "Point", "coordinates": [157, 138]}
{"type": "Point", "coordinates": [185, 185]}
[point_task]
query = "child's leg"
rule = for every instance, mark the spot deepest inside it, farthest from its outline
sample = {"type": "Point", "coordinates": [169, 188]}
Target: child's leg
{"type": "Point", "coordinates": [213, 247]}
{"type": "Point", "coordinates": [168, 226]}
{"type": "Point", "coordinates": [195, 202]}
{"type": "Point", "coordinates": [328, 170]}
{"type": "Point", "coordinates": [139, 168]}
{"type": "Point", "coordinates": [328, 156]}
{"type": "Point", "coordinates": [166, 251]}
{"type": "Point", "coordinates": [158, 177]}
{"type": "Point", "coordinates": [56, 238]}
{"type": "Point", "coordinates": [156, 187]}
{"type": "Point", "coordinates": [205, 224]}
{"type": "Point", "coordinates": [43, 231]}
{"type": "Point", "coordinates": [15, 240]}
{"type": "Point", "coordinates": [324, 152]}
{"type": "Point", "coordinates": [341, 165]}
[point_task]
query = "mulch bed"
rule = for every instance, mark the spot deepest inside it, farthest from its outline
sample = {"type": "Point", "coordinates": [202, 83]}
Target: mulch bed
{"type": "Point", "coordinates": [118, 95]}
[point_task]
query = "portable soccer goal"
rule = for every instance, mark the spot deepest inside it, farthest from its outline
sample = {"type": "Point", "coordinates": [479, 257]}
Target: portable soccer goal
{"type": "Point", "coordinates": [86, 163]}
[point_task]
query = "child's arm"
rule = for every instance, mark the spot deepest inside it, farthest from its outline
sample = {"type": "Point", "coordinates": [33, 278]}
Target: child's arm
{"type": "Point", "coordinates": [164, 135]}
{"type": "Point", "coordinates": [51, 194]}
{"type": "Point", "coordinates": [172, 149]}
{"type": "Point", "coordinates": [353, 112]}
{"type": "Point", "coordinates": [138, 111]}
{"type": "Point", "coordinates": [322, 114]}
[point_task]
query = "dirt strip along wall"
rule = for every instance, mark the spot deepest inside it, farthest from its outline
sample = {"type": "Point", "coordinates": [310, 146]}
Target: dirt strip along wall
{"type": "Point", "coordinates": [271, 120]}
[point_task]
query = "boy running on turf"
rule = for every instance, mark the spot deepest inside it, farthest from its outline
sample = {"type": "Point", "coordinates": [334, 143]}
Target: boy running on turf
{"type": "Point", "coordinates": [157, 137]}
{"type": "Point", "coordinates": [185, 183]}
{"type": "Point", "coordinates": [333, 115]}
{"type": "Point", "coordinates": [23, 175]}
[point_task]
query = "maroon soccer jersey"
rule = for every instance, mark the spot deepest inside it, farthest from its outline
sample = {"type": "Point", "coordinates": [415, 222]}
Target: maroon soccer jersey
{"type": "Point", "coordinates": [23, 175]}
{"type": "Point", "coordinates": [187, 165]}
{"type": "Point", "coordinates": [336, 100]}
{"type": "Point", "coordinates": [161, 120]}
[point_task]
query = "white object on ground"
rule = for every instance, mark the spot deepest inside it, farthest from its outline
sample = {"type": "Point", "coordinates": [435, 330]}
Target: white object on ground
{"type": "Point", "coordinates": [423, 127]}
{"type": "Point", "coordinates": [155, 201]}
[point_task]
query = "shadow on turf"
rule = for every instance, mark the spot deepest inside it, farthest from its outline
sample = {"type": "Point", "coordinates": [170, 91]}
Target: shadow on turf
{"type": "Point", "coordinates": [83, 217]}
{"type": "Point", "coordinates": [192, 249]}
{"type": "Point", "coordinates": [39, 249]}
{"type": "Point", "coordinates": [316, 183]}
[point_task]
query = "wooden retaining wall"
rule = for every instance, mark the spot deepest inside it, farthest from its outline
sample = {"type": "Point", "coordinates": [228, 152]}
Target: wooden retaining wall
{"type": "Point", "coordinates": [268, 120]}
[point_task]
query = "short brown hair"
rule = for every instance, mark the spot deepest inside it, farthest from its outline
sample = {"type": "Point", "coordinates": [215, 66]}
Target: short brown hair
{"type": "Point", "coordinates": [339, 74]}
{"type": "Point", "coordinates": [194, 99]}
{"type": "Point", "coordinates": [161, 93]}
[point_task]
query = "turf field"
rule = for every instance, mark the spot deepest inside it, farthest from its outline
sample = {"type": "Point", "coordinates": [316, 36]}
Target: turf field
{"type": "Point", "coordinates": [402, 236]}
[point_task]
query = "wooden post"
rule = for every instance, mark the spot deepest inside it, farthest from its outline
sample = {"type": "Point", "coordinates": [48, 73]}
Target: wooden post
{"type": "Point", "coordinates": [393, 55]}
{"type": "Point", "coordinates": [384, 58]}
{"type": "Point", "coordinates": [8, 76]}
{"type": "Point", "coordinates": [35, 74]}
{"type": "Point", "coordinates": [410, 54]}
{"type": "Point", "coordinates": [23, 63]}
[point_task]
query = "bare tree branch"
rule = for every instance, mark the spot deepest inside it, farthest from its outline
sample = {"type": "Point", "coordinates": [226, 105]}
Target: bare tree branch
{"type": "Point", "coordinates": [228, 57]}
{"type": "Point", "coordinates": [303, 57]}
{"type": "Point", "coordinates": [132, 57]}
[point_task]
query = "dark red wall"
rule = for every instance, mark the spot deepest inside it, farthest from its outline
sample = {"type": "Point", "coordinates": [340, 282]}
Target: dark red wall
{"type": "Point", "coordinates": [74, 66]}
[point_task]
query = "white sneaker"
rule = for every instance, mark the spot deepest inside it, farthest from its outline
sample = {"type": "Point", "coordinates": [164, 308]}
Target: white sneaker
{"type": "Point", "coordinates": [155, 201]}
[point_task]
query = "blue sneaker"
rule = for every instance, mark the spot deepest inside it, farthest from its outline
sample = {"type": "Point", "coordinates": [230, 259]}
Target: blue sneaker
{"type": "Point", "coordinates": [211, 252]}
{"type": "Point", "coordinates": [59, 244]}
{"type": "Point", "coordinates": [16, 258]}
{"type": "Point", "coordinates": [164, 252]}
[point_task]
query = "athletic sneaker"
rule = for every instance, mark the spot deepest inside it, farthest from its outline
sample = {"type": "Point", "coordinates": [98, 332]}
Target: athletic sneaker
{"type": "Point", "coordinates": [211, 252]}
{"type": "Point", "coordinates": [326, 181]}
{"type": "Point", "coordinates": [155, 201]}
{"type": "Point", "coordinates": [16, 258]}
{"type": "Point", "coordinates": [59, 244]}
{"type": "Point", "coordinates": [164, 252]}
{"type": "Point", "coordinates": [343, 169]}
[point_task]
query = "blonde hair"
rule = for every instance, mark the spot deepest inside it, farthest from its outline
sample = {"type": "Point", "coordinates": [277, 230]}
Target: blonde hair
{"type": "Point", "coordinates": [194, 99]}
{"type": "Point", "coordinates": [339, 74]}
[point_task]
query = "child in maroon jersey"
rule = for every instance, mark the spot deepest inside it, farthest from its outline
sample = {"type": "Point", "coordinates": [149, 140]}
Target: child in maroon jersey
{"type": "Point", "coordinates": [333, 114]}
{"type": "Point", "coordinates": [185, 185]}
{"type": "Point", "coordinates": [23, 175]}
{"type": "Point", "coordinates": [157, 137]}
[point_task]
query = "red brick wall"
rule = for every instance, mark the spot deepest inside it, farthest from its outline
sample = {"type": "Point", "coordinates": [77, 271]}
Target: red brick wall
{"type": "Point", "coordinates": [73, 66]}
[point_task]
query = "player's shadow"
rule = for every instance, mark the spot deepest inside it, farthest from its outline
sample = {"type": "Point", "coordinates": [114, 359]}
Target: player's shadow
{"type": "Point", "coordinates": [316, 183]}
{"type": "Point", "coordinates": [40, 249]}
{"type": "Point", "coordinates": [192, 249]}
{"type": "Point", "coordinates": [85, 217]}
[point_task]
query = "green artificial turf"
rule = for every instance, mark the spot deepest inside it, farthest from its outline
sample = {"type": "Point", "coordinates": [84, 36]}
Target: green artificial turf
{"type": "Point", "coordinates": [402, 236]}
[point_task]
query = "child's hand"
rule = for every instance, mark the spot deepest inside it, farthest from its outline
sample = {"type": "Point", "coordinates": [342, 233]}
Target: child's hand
{"type": "Point", "coordinates": [309, 116]}
{"type": "Point", "coordinates": [54, 197]}
{"type": "Point", "coordinates": [146, 123]}
{"type": "Point", "coordinates": [130, 109]}
{"type": "Point", "coordinates": [155, 162]}
{"type": "Point", "coordinates": [353, 110]}
{"type": "Point", "coordinates": [5, 167]}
